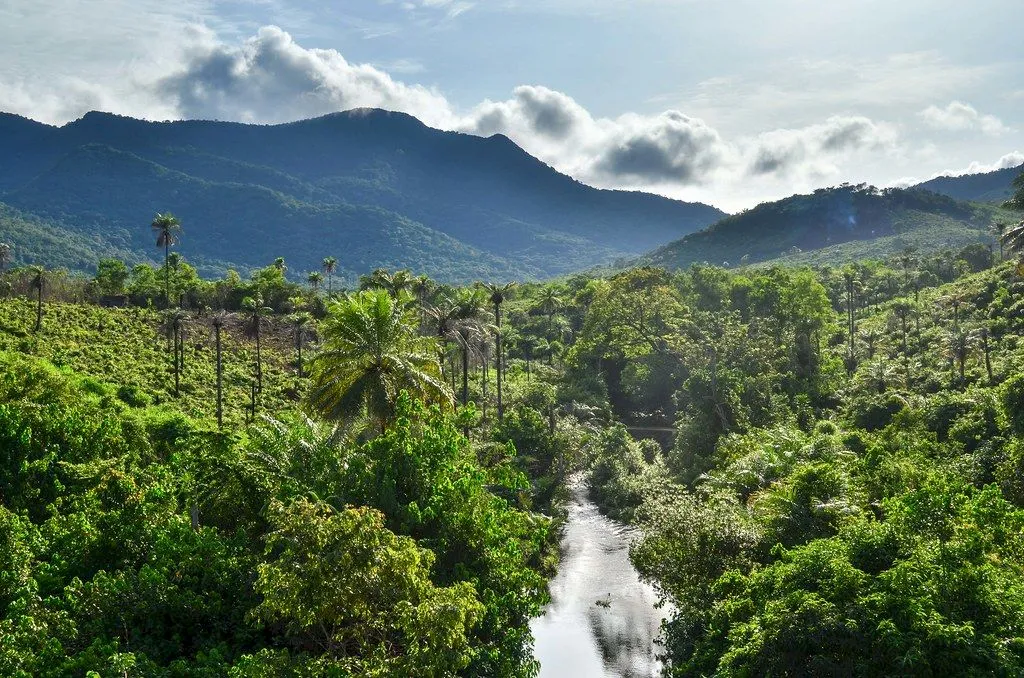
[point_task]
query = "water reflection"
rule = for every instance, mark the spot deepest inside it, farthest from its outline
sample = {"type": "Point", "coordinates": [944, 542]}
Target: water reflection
{"type": "Point", "coordinates": [601, 621]}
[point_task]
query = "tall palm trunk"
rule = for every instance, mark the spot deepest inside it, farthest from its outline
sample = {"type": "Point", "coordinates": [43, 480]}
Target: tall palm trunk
{"type": "Point", "coordinates": [39, 306]}
{"type": "Point", "coordinates": [176, 365]}
{"type": "Point", "coordinates": [465, 374]}
{"type": "Point", "coordinates": [259, 361]}
{"type": "Point", "coordinates": [167, 271]}
{"type": "Point", "coordinates": [497, 359]}
{"type": "Point", "coordinates": [220, 381]}
{"type": "Point", "coordinates": [988, 357]}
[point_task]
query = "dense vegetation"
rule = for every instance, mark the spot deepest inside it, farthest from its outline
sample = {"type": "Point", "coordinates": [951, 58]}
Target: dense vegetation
{"type": "Point", "coordinates": [381, 187]}
{"type": "Point", "coordinates": [843, 492]}
{"type": "Point", "coordinates": [255, 477]}
{"type": "Point", "coordinates": [836, 225]}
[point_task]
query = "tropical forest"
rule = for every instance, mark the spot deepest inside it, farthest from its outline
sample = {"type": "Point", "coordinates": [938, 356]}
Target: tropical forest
{"type": "Point", "coordinates": [806, 469]}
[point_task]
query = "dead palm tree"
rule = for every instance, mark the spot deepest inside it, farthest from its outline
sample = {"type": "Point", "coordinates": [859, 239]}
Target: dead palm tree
{"type": "Point", "coordinates": [167, 229]}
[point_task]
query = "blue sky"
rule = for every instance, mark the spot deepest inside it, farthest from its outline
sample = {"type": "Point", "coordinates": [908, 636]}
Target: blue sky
{"type": "Point", "coordinates": [725, 101]}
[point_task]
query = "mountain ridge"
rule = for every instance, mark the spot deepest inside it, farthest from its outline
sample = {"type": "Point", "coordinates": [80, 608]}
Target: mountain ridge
{"type": "Point", "coordinates": [514, 215]}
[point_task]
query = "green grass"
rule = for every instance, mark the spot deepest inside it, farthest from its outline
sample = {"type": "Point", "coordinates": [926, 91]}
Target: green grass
{"type": "Point", "coordinates": [126, 350]}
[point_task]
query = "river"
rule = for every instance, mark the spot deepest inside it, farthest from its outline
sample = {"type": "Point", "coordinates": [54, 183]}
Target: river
{"type": "Point", "coordinates": [601, 622]}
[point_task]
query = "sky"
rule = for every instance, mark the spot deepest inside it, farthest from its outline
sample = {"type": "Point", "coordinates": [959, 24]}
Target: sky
{"type": "Point", "coordinates": [729, 102]}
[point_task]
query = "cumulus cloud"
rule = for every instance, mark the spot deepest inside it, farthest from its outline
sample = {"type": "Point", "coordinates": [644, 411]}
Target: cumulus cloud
{"type": "Point", "coordinates": [958, 116]}
{"type": "Point", "coordinates": [815, 148]}
{"type": "Point", "coordinates": [269, 78]}
{"type": "Point", "coordinates": [1013, 159]}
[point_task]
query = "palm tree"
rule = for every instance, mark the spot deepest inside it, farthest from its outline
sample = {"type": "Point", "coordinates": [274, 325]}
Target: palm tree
{"type": "Point", "coordinates": [958, 347]}
{"type": "Point", "coordinates": [372, 352]}
{"type": "Point", "coordinates": [5, 256]}
{"type": "Point", "coordinates": [421, 286]}
{"type": "Point", "coordinates": [255, 311]}
{"type": "Point", "coordinates": [37, 280]}
{"type": "Point", "coordinates": [998, 229]}
{"type": "Point", "coordinates": [986, 349]}
{"type": "Point", "coordinates": [279, 265]}
{"type": "Point", "coordinates": [870, 338]}
{"type": "Point", "coordinates": [393, 283]}
{"type": "Point", "coordinates": [167, 229]}
{"type": "Point", "coordinates": [300, 324]}
{"type": "Point", "coordinates": [458, 320]}
{"type": "Point", "coordinates": [498, 295]}
{"type": "Point", "coordinates": [175, 320]}
{"type": "Point", "coordinates": [315, 279]}
{"type": "Point", "coordinates": [330, 264]}
{"type": "Point", "coordinates": [1013, 238]}
{"type": "Point", "coordinates": [218, 320]}
{"type": "Point", "coordinates": [549, 304]}
{"type": "Point", "coordinates": [851, 282]}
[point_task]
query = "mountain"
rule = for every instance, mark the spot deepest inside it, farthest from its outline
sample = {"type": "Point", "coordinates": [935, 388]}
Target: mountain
{"type": "Point", "coordinates": [834, 225]}
{"type": "Point", "coordinates": [371, 187]}
{"type": "Point", "coordinates": [985, 187]}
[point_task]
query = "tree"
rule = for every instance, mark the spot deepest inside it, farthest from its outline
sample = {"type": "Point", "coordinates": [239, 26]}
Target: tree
{"type": "Point", "coordinates": [498, 295]}
{"type": "Point", "coordinates": [343, 583]}
{"type": "Point", "coordinates": [255, 314]}
{"type": "Point", "coordinates": [111, 275]}
{"type": "Point", "coordinates": [998, 229]}
{"type": "Point", "coordinates": [5, 256]}
{"type": "Point", "coordinates": [330, 265]}
{"type": "Point", "coordinates": [315, 279]}
{"type": "Point", "coordinates": [218, 320]}
{"type": "Point", "coordinates": [300, 325]}
{"type": "Point", "coordinates": [458, 321]}
{"type": "Point", "coordinates": [37, 280]}
{"type": "Point", "coordinates": [1013, 238]}
{"type": "Point", "coordinates": [392, 283]}
{"type": "Point", "coordinates": [279, 265]}
{"type": "Point", "coordinates": [549, 304]}
{"type": "Point", "coordinates": [958, 347]}
{"type": "Point", "coordinates": [370, 353]}
{"type": "Point", "coordinates": [167, 229]}
{"type": "Point", "coordinates": [175, 323]}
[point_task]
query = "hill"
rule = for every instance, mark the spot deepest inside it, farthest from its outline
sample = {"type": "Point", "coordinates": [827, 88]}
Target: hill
{"type": "Point", "coordinates": [833, 225]}
{"type": "Point", "coordinates": [985, 187]}
{"type": "Point", "coordinates": [373, 188]}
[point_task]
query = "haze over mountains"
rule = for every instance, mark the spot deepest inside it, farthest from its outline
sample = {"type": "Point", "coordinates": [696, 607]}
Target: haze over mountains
{"type": "Point", "coordinates": [381, 189]}
{"type": "Point", "coordinates": [370, 187]}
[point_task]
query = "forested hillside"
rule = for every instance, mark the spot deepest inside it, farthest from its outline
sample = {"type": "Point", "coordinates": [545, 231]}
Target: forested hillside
{"type": "Point", "coordinates": [996, 186]}
{"type": "Point", "coordinates": [380, 186]}
{"type": "Point", "coordinates": [835, 225]}
{"type": "Point", "coordinates": [249, 476]}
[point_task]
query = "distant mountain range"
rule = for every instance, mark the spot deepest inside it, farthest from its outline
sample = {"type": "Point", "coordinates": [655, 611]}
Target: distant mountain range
{"type": "Point", "coordinates": [376, 188]}
{"type": "Point", "coordinates": [834, 225]}
{"type": "Point", "coordinates": [370, 187]}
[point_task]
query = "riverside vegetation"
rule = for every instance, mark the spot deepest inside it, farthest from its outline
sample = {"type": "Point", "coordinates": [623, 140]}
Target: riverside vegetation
{"type": "Point", "coordinates": [260, 477]}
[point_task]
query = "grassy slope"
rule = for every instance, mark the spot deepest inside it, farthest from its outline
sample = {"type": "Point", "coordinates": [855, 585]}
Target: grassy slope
{"type": "Point", "coordinates": [126, 347]}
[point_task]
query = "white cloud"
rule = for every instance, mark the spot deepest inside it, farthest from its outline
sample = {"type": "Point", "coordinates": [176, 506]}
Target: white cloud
{"type": "Point", "coordinates": [958, 116]}
{"type": "Point", "coordinates": [270, 78]}
{"type": "Point", "coordinates": [1013, 159]}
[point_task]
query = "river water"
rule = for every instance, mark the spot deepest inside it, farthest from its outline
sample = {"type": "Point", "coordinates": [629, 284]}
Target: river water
{"type": "Point", "coordinates": [601, 622]}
